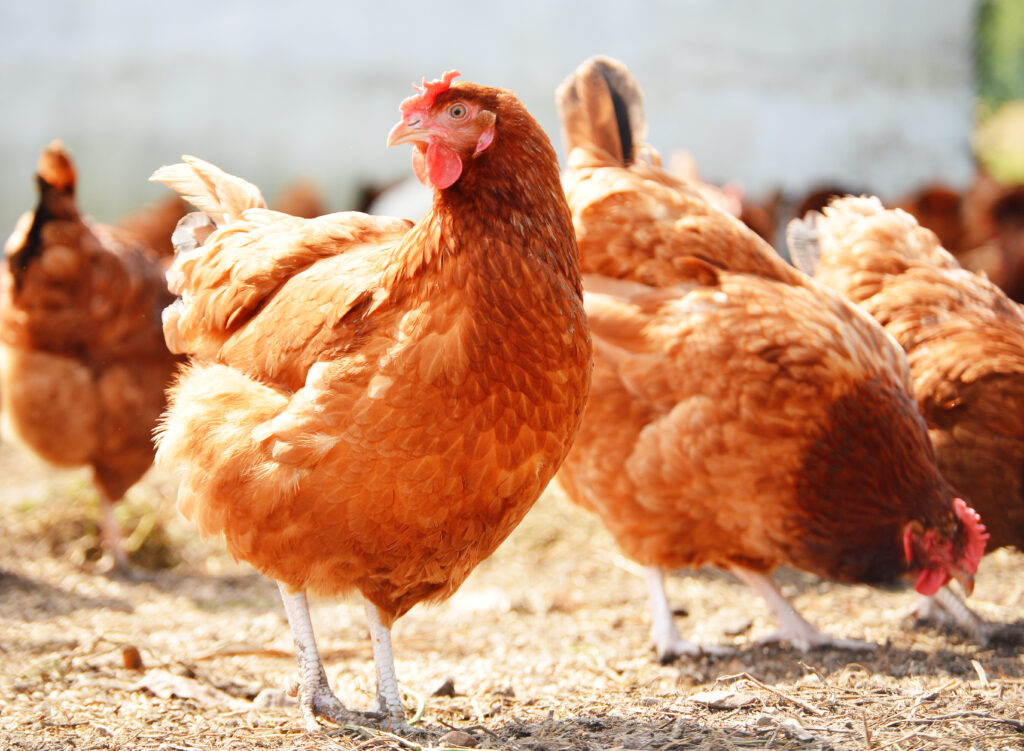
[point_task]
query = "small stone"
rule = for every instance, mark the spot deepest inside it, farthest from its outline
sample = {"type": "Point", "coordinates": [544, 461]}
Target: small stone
{"type": "Point", "coordinates": [459, 738]}
{"type": "Point", "coordinates": [795, 730]}
{"type": "Point", "coordinates": [132, 659]}
{"type": "Point", "coordinates": [445, 689]}
{"type": "Point", "coordinates": [272, 698]}
{"type": "Point", "coordinates": [723, 699]}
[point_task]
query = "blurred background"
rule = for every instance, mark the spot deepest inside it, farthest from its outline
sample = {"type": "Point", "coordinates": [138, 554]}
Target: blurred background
{"type": "Point", "coordinates": [879, 95]}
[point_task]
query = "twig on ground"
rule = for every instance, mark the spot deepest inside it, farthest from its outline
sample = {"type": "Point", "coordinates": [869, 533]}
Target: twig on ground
{"type": "Point", "coordinates": [791, 699]}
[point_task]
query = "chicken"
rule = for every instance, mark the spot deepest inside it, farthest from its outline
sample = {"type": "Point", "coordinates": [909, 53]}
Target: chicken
{"type": "Point", "coordinates": [993, 244]}
{"type": "Point", "coordinates": [83, 364]}
{"type": "Point", "coordinates": [964, 340]}
{"type": "Point", "coordinates": [740, 414]}
{"type": "Point", "coordinates": [731, 197]}
{"type": "Point", "coordinates": [936, 206]}
{"type": "Point", "coordinates": [373, 405]}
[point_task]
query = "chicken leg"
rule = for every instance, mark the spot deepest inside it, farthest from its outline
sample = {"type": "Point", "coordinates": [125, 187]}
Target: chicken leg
{"type": "Point", "coordinates": [389, 703]}
{"type": "Point", "coordinates": [667, 642]}
{"type": "Point", "coordinates": [315, 696]}
{"type": "Point", "coordinates": [115, 560]}
{"type": "Point", "coordinates": [792, 626]}
{"type": "Point", "coordinates": [946, 607]}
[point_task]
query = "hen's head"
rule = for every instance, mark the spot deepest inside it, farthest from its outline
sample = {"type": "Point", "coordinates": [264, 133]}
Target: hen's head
{"type": "Point", "coordinates": [939, 556]}
{"type": "Point", "coordinates": [448, 125]}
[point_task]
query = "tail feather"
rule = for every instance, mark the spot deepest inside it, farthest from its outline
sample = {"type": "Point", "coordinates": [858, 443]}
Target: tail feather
{"type": "Point", "coordinates": [55, 168]}
{"type": "Point", "coordinates": [222, 196]}
{"type": "Point", "coordinates": [804, 242]}
{"type": "Point", "coordinates": [601, 106]}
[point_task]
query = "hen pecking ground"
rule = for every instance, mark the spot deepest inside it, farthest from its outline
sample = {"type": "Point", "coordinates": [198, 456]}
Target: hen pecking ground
{"type": "Point", "coordinates": [544, 648]}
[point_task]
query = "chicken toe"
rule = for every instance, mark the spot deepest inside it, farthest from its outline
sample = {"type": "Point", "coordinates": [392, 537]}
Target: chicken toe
{"type": "Point", "coordinates": [793, 628]}
{"type": "Point", "coordinates": [946, 608]}
{"type": "Point", "coordinates": [668, 644]}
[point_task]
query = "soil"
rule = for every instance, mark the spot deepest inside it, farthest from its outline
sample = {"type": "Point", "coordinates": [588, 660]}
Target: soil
{"type": "Point", "coordinates": [544, 648]}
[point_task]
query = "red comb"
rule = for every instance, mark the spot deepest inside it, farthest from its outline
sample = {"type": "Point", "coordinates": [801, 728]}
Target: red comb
{"type": "Point", "coordinates": [977, 536]}
{"type": "Point", "coordinates": [428, 92]}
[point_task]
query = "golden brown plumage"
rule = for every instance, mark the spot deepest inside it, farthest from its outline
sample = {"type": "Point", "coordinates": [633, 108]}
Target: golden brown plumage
{"type": "Point", "coordinates": [374, 405]}
{"type": "Point", "coordinates": [84, 365]}
{"type": "Point", "coordinates": [964, 340]}
{"type": "Point", "coordinates": [740, 414]}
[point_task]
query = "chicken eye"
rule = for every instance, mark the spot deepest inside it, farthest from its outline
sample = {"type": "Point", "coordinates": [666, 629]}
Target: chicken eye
{"type": "Point", "coordinates": [457, 111]}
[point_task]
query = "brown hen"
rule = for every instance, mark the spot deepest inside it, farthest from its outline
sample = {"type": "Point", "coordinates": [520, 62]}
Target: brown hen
{"type": "Point", "coordinates": [964, 340]}
{"type": "Point", "coordinates": [83, 363]}
{"type": "Point", "coordinates": [740, 414]}
{"type": "Point", "coordinates": [374, 405]}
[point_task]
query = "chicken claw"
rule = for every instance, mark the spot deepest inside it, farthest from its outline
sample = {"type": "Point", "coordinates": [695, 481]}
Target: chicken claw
{"type": "Point", "coordinates": [946, 608]}
{"type": "Point", "coordinates": [793, 629]}
{"type": "Point", "coordinates": [315, 696]}
{"type": "Point", "coordinates": [668, 644]}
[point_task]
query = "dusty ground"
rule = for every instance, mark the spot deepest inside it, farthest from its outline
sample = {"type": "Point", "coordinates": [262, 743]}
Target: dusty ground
{"type": "Point", "coordinates": [545, 648]}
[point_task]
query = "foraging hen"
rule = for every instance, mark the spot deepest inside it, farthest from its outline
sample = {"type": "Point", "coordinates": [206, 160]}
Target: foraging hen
{"type": "Point", "coordinates": [374, 405]}
{"type": "Point", "coordinates": [740, 414]}
{"type": "Point", "coordinates": [964, 339]}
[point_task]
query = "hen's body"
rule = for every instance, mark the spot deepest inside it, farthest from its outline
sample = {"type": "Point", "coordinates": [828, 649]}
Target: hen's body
{"type": "Point", "coordinates": [740, 414]}
{"type": "Point", "coordinates": [83, 361]}
{"type": "Point", "coordinates": [964, 340]}
{"type": "Point", "coordinates": [742, 440]}
{"type": "Point", "coordinates": [375, 404]}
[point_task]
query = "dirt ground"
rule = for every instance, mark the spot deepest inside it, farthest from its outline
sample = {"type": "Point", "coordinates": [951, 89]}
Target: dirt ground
{"type": "Point", "coordinates": [544, 648]}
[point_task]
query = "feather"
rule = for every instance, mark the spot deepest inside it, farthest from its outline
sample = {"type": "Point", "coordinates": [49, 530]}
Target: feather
{"type": "Point", "coordinates": [802, 239]}
{"type": "Point", "coordinates": [222, 196]}
{"type": "Point", "coordinates": [601, 106]}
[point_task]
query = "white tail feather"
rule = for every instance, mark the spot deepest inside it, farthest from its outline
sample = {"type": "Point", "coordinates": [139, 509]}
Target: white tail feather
{"type": "Point", "coordinates": [210, 189]}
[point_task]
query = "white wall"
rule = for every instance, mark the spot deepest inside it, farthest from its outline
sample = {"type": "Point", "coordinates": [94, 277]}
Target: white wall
{"type": "Point", "coordinates": [786, 92]}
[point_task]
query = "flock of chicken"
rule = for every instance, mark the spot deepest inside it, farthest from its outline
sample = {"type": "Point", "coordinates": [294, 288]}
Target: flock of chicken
{"type": "Point", "coordinates": [359, 403]}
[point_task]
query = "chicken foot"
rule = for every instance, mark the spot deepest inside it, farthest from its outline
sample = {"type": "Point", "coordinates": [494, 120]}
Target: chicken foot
{"type": "Point", "coordinates": [315, 696]}
{"type": "Point", "coordinates": [947, 608]}
{"type": "Point", "coordinates": [668, 644]}
{"type": "Point", "coordinates": [389, 703]}
{"type": "Point", "coordinates": [793, 628]}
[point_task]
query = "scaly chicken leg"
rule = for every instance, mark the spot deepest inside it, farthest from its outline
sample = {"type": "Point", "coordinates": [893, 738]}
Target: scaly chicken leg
{"type": "Point", "coordinates": [315, 696]}
{"type": "Point", "coordinates": [388, 700]}
{"type": "Point", "coordinates": [667, 642]}
{"type": "Point", "coordinates": [793, 628]}
{"type": "Point", "coordinates": [946, 607]}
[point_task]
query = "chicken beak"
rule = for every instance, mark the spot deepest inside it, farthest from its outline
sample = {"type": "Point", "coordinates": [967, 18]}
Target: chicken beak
{"type": "Point", "coordinates": [966, 580]}
{"type": "Point", "coordinates": [411, 131]}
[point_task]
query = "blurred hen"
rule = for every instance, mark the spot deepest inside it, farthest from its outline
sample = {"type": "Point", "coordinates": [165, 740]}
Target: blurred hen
{"type": "Point", "coordinates": [740, 414]}
{"type": "Point", "coordinates": [83, 363]}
